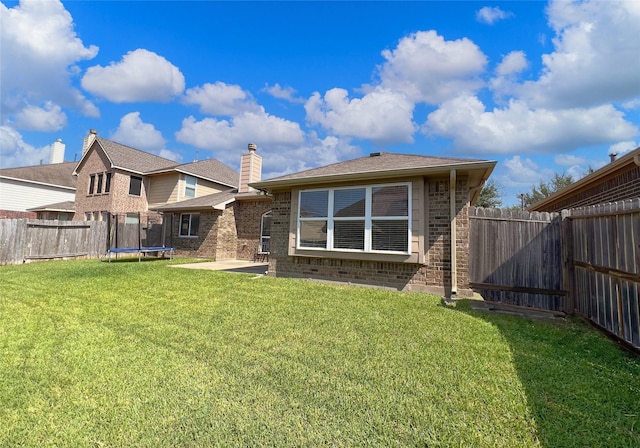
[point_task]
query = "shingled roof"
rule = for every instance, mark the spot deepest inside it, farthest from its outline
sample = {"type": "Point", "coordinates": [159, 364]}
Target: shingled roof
{"type": "Point", "coordinates": [144, 163]}
{"type": "Point", "coordinates": [59, 174]}
{"type": "Point", "coordinates": [131, 159]}
{"type": "Point", "coordinates": [210, 169]}
{"type": "Point", "coordinates": [380, 164]}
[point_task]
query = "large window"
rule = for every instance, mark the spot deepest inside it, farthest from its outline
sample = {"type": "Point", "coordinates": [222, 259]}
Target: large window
{"type": "Point", "coordinates": [189, 224]}
{"type": "Point", "coordinates": [365, 219]}
{"type": "Point", "coordinates": [189, 187]}
{"type": "Point", "coordinates": [135, 186]}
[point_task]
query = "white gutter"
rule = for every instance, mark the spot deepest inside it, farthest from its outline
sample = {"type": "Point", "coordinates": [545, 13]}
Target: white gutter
{"type": "Point", "coordinates": [454, 261]}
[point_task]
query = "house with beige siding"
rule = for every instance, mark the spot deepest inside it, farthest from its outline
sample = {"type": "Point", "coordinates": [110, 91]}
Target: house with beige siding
{"type": "Point", "coordinates": [392, 220]}
{"type": "Point", "coordinates": [26, 190]}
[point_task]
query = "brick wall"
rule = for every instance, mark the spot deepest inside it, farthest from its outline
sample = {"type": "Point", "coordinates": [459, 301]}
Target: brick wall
{"type": "Point", "coordinates": [12, 214]}
{"type": "Point", "coordinates": [248, 219]}
{"type": "Point", "coordinates": [205, 244]}
{"type": "Point", "coordinates": [434, 276]}
{"type": "Point", "coordinates": [118, 200]}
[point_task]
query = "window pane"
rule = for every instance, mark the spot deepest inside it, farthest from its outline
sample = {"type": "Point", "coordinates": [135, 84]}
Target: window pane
{"type": "Point", "coordinates": [348, 202]}
{"type": "Point", "coordinates": [390, 235]}
{"type": "Point", "coordinates": [266, 224]}
{"type": "Point", "coordinates": [348, 235]}
{"type": "Point", "coordinates": [195, 224]}
{"type": "Point", "coordinates": [99, 188]}
{"type": "Point", "coordinates": [107, 185]}
{"type": "Point", "coordinates": [135, 185]}
{"type": "Point", "coordinates": [92, 180]}
{"type": "Point", "coordinates": [314, 204]}
{"type": "Point", "coordinates": [390, 201]}
{"type": "Point", "coordinates": [184, 224]}
{"type": "Point", "coordinates": [189, 187]}
{"type": "Point", "coordinates": [313, 234]}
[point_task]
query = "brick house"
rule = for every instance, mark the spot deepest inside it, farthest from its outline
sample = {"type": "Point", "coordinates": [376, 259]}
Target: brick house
{"type": "Point", "coordinates": [203, 211]}
{"type": "Point", "coordinates": [392, 220]}
{"type": "Point", "coordinates": [616, 181]}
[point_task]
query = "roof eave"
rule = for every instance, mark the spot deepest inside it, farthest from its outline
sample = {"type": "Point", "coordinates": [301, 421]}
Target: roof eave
{"type": "Point", "coordinates": [38, 183]}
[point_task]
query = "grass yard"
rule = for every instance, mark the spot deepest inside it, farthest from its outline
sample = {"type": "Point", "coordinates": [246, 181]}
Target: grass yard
{"type": "Point", "coordinates": [141, 354]}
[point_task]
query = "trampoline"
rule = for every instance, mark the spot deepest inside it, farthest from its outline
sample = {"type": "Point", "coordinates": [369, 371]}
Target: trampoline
{"type": "Point", "coordinates": [133, 242]}
{"type": "Point", "coordinates": [140, 251]}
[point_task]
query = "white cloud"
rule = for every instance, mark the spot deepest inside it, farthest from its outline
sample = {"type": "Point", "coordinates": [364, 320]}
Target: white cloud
{"type": "Point", "coordinates": [283, 93]}
{"type": "Point", "coordinates": [133, 132]}
{"type": "Point", "coordinates": [38, 50]}
{"type": "Point", "coordinates": [491, 15]}
{"type": "Point", "coordinates": [521, 172]}
{"type": "Point", "coordinates": [50, 117]}
{"type": "Point", "coordinates": [517, 128]}
{"type": "Point", "coordinates": [513, 63]}
{"type": "Point", "coordinates": [314, 152]}
{"type": "Point", "coordinates": [141, 75]}
{"type": "Point", "coordinates": [381, 116]}
{"type": "Point", "coordinates": [429, 69]}
{"type": "Point", "coordinates": [622, 148]}
{"type": "Point", "coordinates": [14, 151]}
{"type": "Point", "coordinates": [221, 99]}
{"type": "Point", "coordinates": [569, 160]}
{"type": "Point", "coordinates": [230, 135]}
{"type": "Point", "coordinates": [595, 58]}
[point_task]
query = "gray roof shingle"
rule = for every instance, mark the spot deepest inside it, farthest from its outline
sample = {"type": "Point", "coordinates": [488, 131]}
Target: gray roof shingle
{"type": "Point", "coordinates": [60, 174]}
{"type": "Point", "coordinates": [132, 159]}
{"type": "Point", "coordinates": [377, 163]}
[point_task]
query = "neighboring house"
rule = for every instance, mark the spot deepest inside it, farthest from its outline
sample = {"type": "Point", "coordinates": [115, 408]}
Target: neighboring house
{"type": "Point", "coordinates": [616, 181]}
{"type": "Point", "coordinates": [120, 180]}
{"type": "Point", "coordinates": [392, 220]}
{"type": "Point", "coordinates": [207, 208]}
{"type": "Point", "coordinates": [25, 188]}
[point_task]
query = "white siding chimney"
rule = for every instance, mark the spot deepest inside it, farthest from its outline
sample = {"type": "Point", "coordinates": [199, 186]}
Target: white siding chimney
{"type": "Point", "coordinates": [250, 169]}
{"type": "Point", "coordinates": [57, 152]}
{"type": "Point", "coordinates": [88, 141]}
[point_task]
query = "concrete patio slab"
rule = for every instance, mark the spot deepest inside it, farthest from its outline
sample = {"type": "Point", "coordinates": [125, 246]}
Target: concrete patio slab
{"type": "Point", "coordinates": [239, 266]}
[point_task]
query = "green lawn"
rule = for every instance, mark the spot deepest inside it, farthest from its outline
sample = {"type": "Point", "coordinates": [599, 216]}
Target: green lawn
{"type": "Point", "coordinates": [141, 354]}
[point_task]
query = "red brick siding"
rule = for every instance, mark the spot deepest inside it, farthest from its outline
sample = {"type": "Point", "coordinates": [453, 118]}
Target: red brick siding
{"type": "Point", "coordinates": [12, 214]}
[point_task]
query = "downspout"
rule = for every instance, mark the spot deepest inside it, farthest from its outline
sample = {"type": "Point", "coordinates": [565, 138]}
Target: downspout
{"type": "Point", "coordinates": [454, 260]}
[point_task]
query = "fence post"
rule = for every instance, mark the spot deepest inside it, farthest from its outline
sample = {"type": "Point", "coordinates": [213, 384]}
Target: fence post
{"type": "Point", "coordinates": [568, 271]}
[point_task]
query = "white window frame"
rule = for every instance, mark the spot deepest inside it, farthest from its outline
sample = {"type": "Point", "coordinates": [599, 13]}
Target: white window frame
{"type": "Point", "coordinates": [189, 234]}
{"type": "Point", "coordinates": [368, 218]}
{"type": "Point", "coordinates": [264, 238]}
{"type": "Point", "coordinates": [190, 184]}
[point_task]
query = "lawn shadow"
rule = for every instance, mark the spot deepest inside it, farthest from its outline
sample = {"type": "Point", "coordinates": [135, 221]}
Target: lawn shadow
{"type": "Point", "coordinates": [581, 388]}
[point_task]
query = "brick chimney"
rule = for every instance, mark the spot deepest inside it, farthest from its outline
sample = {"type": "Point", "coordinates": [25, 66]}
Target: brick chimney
{"type": "Point", "coordinates": [88, 141]}
{"type": "Point", "coordinates": [250, 169]}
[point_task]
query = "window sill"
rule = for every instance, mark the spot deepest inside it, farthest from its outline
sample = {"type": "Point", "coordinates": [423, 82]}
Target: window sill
{"type": "Point", "coordinates": [368, 256]}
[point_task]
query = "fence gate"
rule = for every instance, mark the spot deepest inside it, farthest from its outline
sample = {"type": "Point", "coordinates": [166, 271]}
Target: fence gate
{"type": "Point", "coordinates": [515, 258]}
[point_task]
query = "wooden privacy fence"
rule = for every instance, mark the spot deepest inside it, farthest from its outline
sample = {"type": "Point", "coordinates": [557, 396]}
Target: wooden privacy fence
{"type": "Point", "coordinates": [584, 261]}
{"type": "Point", "coordinates": [25, 239]}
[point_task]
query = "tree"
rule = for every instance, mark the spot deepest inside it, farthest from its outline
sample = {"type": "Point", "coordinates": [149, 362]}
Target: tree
{"type": "Point", "coordinates": [489, 196]}
{"type": "Point", "coordinates": [544, 190]}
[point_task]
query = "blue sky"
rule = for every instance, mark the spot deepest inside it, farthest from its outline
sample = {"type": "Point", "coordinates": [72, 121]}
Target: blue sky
{"type": "Point", "coordinates": [541, 87]}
